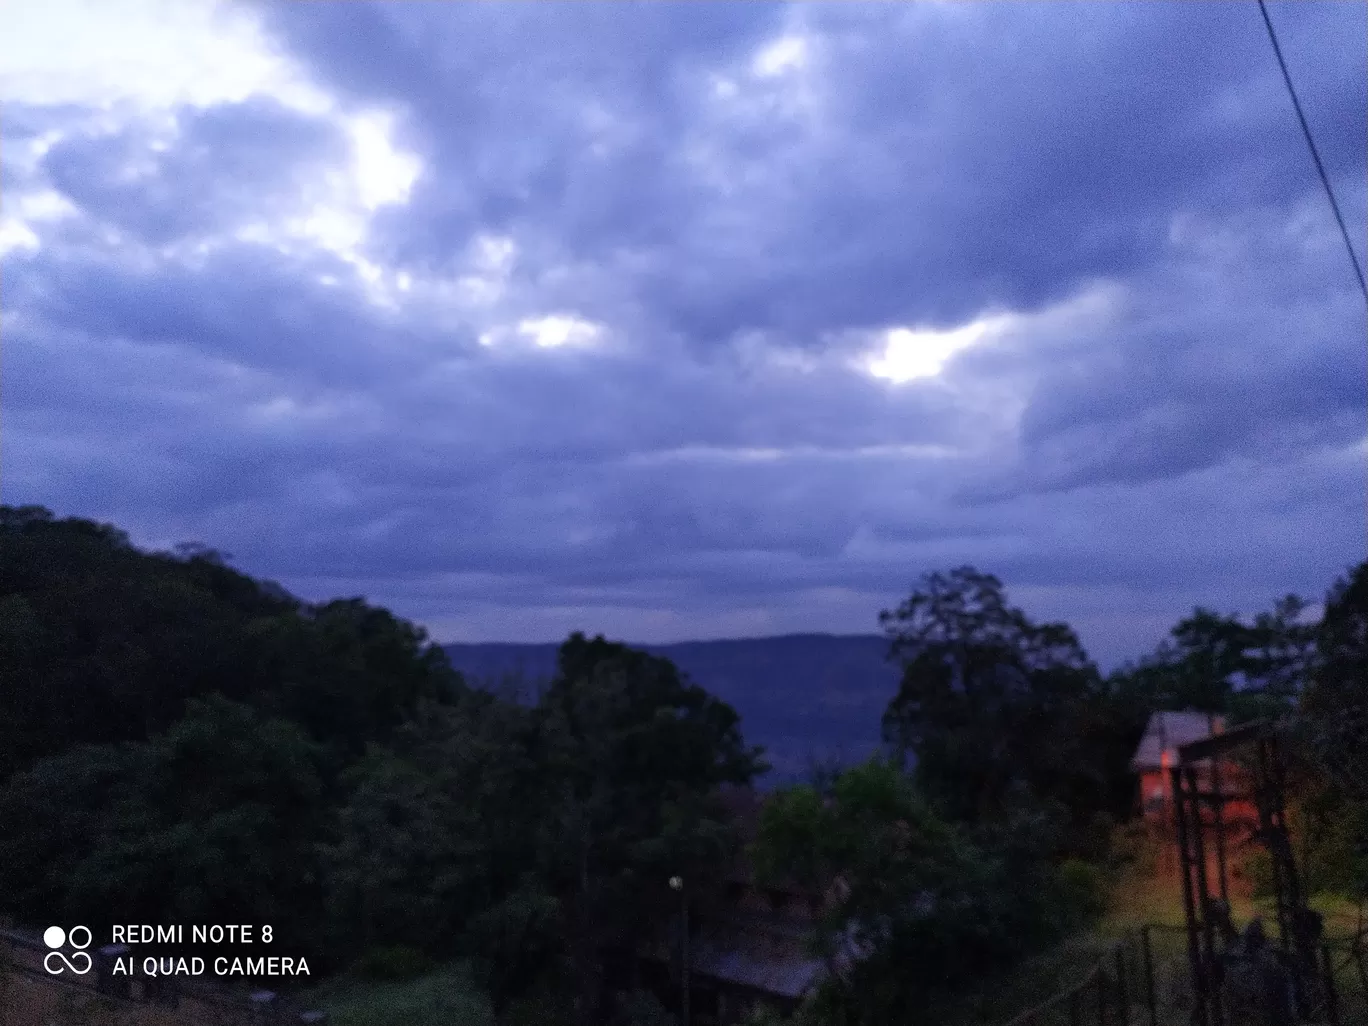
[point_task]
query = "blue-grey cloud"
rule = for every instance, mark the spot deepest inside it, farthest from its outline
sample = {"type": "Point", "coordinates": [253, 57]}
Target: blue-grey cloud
{"type": "Point", "coordinates": [961, 159]}
{"type": "Point", "coordinates": [226, 164]}
{"type": "Point", "coordinates": [1170, 409]}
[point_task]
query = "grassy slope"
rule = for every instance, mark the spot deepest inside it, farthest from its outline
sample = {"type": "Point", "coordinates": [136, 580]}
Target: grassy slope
{"type": "Point", "coordinates": [1154, 900]}
{"type": "Point", "coordinates": [1030, 983]}
{"type": "Point", "coordinates": [1136, 901]}
{"type": "Point", "coordinates": [447, 997]}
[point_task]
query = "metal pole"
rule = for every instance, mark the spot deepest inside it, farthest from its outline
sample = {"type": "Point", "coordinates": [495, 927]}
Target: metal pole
{"type": "Point", "coordinates": [1298, 947]}
{"type": "Point", "coordinates": [1218, 800]}
{"type": "Point", "coordinates": [1122, 991]}
{"type": "Point", "coordinates": [1149, 974]}
{"type": "Point", "coordinates": [1212, 992]}
{"type": "Point", "coordinates": [677, 884]}
{"type": "Point", "coordinates": [1073, 1008]}
{"type": "Point", "coordinates": [1185, 867]}
{"type": "Point", "coordinates": [684, 900]}
{"type": "Point", "coordinates": [1331, 998]}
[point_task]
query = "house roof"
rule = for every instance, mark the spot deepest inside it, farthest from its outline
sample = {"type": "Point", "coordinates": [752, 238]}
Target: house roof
{"type": "Point", "coordinates": [789, 974]}
{"type": "Point", "coordinates": [752, 954]}
{"type": "Point", "coordinates": [1167, 731]}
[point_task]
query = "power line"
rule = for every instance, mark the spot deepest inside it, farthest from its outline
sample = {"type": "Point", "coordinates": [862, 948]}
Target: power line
{"type": "Point", "coordinates": [1311, 144]}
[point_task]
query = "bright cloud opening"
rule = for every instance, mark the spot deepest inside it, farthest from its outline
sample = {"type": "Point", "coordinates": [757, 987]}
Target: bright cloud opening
{"type": "Point", "coordinates": [139, 60]}
{"type": "Point", "coordinates": [382, 173]}
{"type": "Point", "coordinates": [152, 53]}
{"type": "Point", "coordinates": [558, 330]}
{"type": "Point", "coordinates": [20, 214]}
{"type": "Point", "coordinates": [551, 331]}
{"type": "Point", "coordinates": [786, 54]}
{"type": "Point", "coordinates": [911, 353]}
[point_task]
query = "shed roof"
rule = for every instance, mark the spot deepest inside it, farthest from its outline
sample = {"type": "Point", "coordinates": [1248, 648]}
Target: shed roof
{"type": "Point", "coordinates": [785, 974]}
{"type": "Point", "coordinates": [748, 954]}
{"type": "Point", "coordinates": [1166, 731]}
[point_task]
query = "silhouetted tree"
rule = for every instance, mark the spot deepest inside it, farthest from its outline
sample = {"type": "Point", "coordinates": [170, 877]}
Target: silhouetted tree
{"type": "Point", "coordinates": [991, 702]}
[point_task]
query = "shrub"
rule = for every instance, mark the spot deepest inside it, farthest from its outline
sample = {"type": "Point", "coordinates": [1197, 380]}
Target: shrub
{"type": "Point", "coordinates": [1257, 868]}
{"type": "Point", "coordinates": [393, 963]}
{"type": "Point", "coordinates": [764, 1015]}
{"type": "Point", "coordinates": [642, 1008]}
{"type": "Point", "coordinates": [1084, 890]}
{"type": "Point", "coordinates": [1135, 849]}
{"type": "Point", "coordinates": [539, 1009]}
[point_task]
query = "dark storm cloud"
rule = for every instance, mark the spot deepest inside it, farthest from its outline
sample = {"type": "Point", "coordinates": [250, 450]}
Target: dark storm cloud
{"type": "Point", "coordinates": [714, 461]}
{"type": "Point", "coordinates": [963, 157]}
{"type": "Point", "coordinates": [246, 304]}
{"type": "Point", "coordinates": [499, 100]}
{"type": "Point", "coordinates": [1236, 364]}
{"type": "Point", "coordinates": [227, 164]}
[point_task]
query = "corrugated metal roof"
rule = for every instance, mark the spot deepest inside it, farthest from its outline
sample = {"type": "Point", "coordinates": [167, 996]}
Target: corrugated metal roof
{"type": "Point", "coordinates": [789, 975]}
{"type": "Point", "coordinates": [1167, 731]}
{"type": "Point", "coordinates": [773, 959]}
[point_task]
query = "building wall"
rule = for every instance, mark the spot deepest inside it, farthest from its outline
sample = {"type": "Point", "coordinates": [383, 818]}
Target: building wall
{"type": "Point", "coordinates": [1156, 795]}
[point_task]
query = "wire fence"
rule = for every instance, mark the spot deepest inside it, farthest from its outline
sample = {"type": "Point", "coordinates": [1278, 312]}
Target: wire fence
{"type": "Point", "coordinates": [1145, 979]}
{"type": "Point", "coordinates": [1344, 970]}
{"type": "Point", "coordinates": [1111, 991]}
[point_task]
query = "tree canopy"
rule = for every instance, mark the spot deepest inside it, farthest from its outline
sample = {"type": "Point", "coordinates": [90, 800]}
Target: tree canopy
{"type": "Point", "coordinates": [180, 742]}
{"type": "Point", "coordinates": [992, 702]}
{"type": "Point", "coordinates": [903, 887]}
{"type": "Point", "coordinates": [1219, 663]}
{"type": "Point", "coordinates": [102, 643]}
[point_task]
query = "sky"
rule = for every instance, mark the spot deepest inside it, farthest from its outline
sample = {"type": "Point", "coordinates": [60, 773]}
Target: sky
{"type": "Point", "coordinates": [690, 320]}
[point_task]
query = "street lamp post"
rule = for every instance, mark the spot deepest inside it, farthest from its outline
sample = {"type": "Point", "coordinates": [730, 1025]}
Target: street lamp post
{"type": "Point", "coordinates": [677, 884]}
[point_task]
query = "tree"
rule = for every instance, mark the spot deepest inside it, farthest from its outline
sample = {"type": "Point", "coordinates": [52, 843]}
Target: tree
{"type": "Point", "coordinates": [1336, 704]}
{"type": "Point", "coordinates": [350, 672]}
{"type": "Point", "coordinates": [1281, 650]}
{"type": "Point", "coordinates": [180, 742]}
{"type": "Point", "coordinates": [634, 757]}
{"type": "Point", "coordinates": [1220, 664]}
{"type": "Point", "coordinates": [540, 840]}
{"type": "Point", "coordinates": [50, 815]}
{"type": "Point", "coordinates": [441, 844]}
{"type": "Point", "coordinates": [101, 643]}
{"type": "Point", "coordinates": [989, 700]}
{"type": "Point", "coordinates": [904, 888]}
{"type": "Point", "coordinates": [1334, 721]}
{"type": "Point", "coordinates": [215, 820]}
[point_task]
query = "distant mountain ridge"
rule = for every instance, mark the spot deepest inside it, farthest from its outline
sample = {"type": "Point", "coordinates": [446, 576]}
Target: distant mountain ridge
{"type": "Point", "coordinates": [805, 697]}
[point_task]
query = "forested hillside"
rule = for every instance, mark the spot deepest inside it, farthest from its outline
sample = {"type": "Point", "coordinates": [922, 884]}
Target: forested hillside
{"type": "Point", "coordinates": [184, 744]}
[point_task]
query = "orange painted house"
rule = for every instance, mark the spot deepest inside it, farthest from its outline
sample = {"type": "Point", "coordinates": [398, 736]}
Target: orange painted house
{"type": "Point", "coordinates": [1157, 754]}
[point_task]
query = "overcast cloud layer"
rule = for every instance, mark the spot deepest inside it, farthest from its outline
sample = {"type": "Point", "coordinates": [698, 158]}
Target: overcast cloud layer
{"type": "Point", "coordinates": [694, 320]}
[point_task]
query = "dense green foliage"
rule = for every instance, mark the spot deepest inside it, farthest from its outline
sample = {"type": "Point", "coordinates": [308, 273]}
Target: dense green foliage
{"type": "Point", "coordinates": [1335, 726]}
{"type": "Point", "coordinates": [184, 744]}
{"type": "Point", "coordinates": [210, 822]}
{"type": "Point", "coordinates": [102, 643]}
{"type": "Point", "coordinates": [995, 706]}
{"type": "Point", "coordinates": [1021, 753]}
{"type": "Point", "coordinates": [1216, 663]}
{"type": "Point", "coordinates": [906, 888]}
{"type": "Point", "coordinates": [1336, 704]}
